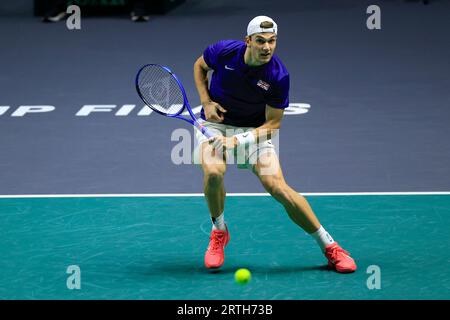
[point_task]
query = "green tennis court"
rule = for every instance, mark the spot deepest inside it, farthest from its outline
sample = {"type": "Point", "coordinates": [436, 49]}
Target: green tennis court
{"type": "Point", "coordinates": [153, 247]}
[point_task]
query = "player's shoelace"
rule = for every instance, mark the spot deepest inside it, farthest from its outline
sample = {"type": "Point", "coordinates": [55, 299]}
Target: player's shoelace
{"type": "Point", "coordinates": [217, 241]}
{"type": "Point", "coordinates": [338, 251]}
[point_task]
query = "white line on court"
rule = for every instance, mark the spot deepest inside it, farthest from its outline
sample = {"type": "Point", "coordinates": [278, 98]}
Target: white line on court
{"type": "Point", "coordinates": [155, 195]}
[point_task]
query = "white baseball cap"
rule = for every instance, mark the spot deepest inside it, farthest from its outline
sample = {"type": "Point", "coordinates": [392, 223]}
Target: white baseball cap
{"type": "Point", "coordinates": [254, 26]}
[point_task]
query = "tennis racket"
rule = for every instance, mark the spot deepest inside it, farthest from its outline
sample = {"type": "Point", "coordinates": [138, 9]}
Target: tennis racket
{"type": "Point", "coordinates": [161, 90]}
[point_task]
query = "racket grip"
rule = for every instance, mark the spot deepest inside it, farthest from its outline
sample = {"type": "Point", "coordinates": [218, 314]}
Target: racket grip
{"type": "Point", "coordinates": [203, 129]}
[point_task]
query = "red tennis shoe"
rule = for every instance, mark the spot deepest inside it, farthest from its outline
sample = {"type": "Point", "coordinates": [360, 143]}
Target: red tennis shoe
{"type": "Point", "coordinates": [339, 259]}
{"type": "Point", "coordinates": [215, 256]}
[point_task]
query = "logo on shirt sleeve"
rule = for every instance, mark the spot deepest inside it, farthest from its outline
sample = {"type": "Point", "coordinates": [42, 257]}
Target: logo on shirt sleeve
{"type": "Point", "coordinates": [263, 85]}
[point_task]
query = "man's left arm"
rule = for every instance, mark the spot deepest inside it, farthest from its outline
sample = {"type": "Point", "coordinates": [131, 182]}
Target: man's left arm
{"type": "Point", "coordinates": [257, 135]}
{"type": "Point", "coordinates": [263, 132]}
{"type": "Point", "coordinates": [272, 124]}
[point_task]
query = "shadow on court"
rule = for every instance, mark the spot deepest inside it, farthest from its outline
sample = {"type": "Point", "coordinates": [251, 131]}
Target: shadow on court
{"type": "Point", "coordinates": [189, 267]}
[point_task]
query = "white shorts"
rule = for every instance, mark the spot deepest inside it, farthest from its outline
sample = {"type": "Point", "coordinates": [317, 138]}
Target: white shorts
{"type": "Point", "coordinates": [245, 158]}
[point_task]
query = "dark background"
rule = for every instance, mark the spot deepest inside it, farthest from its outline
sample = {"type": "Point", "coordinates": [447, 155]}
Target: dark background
{"type": "Point", "coordinates": [379, 117]}
{"type": "Point", "coordinates": [108, 7]}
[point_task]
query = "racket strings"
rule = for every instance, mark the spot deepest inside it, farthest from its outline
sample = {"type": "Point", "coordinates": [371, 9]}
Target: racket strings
{"type": "Point", "coordinates": [160, 90]}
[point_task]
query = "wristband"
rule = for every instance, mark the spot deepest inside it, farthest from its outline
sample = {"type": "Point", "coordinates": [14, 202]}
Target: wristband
{"type": "Point", "coordinates": [245, 138]}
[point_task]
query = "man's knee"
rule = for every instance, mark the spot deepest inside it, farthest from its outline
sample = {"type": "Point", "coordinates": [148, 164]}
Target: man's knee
{"type": "Point", "coordinates": [267, 164]}
{"type": "Point", "coordinates": [214, 175]}
{"type": "Point", "coordinates": [278, 189]}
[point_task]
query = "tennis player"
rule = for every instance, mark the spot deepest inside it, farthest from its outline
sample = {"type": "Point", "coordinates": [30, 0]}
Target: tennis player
{"type": "Point", "coordinates": [248, 92]}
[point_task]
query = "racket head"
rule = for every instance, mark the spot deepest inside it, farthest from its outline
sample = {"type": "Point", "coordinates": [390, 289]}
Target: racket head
{"type": "Point", "coordinates": [161, 90]}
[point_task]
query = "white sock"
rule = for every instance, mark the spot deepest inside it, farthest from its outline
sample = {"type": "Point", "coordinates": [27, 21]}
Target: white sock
{"type": "Point", "coordinates": [218, 223]}
{"type": "Point", "coordinates": [322, 237]}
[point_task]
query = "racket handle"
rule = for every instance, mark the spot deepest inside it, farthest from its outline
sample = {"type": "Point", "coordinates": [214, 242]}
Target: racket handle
{"type": "Point", "coordinates": [203, 129]}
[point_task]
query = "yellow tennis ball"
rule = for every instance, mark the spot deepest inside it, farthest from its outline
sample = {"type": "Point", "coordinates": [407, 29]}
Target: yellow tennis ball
{"type": "Point", "coordinates": [242, 276]}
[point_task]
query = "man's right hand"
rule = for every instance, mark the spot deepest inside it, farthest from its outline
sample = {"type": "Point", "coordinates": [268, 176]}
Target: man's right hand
{"type": "Point", "coordinates": [213, 111]}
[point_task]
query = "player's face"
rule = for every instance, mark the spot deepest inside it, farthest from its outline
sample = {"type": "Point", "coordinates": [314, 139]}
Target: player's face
{"type": "Point", "coordinates": [262, 46]}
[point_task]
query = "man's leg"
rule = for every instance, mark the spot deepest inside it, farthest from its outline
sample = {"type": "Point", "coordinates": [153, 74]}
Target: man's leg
{"type": "Point", "coordinates": [273, 181]}
{"type": "Point", "coordinates": [214, 167]}
{"type": "Point", "coordinates": [268, 170]}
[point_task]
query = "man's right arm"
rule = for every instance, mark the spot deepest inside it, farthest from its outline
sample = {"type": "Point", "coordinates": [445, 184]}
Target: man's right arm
{"type": "Point", "coordinates": [201, 79]}
{"type": "Point", "coordinates": [213, 111]}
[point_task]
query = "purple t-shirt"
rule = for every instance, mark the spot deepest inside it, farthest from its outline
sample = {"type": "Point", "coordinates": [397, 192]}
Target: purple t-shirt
{"type": "Point", "coordinates": [242, 90]}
